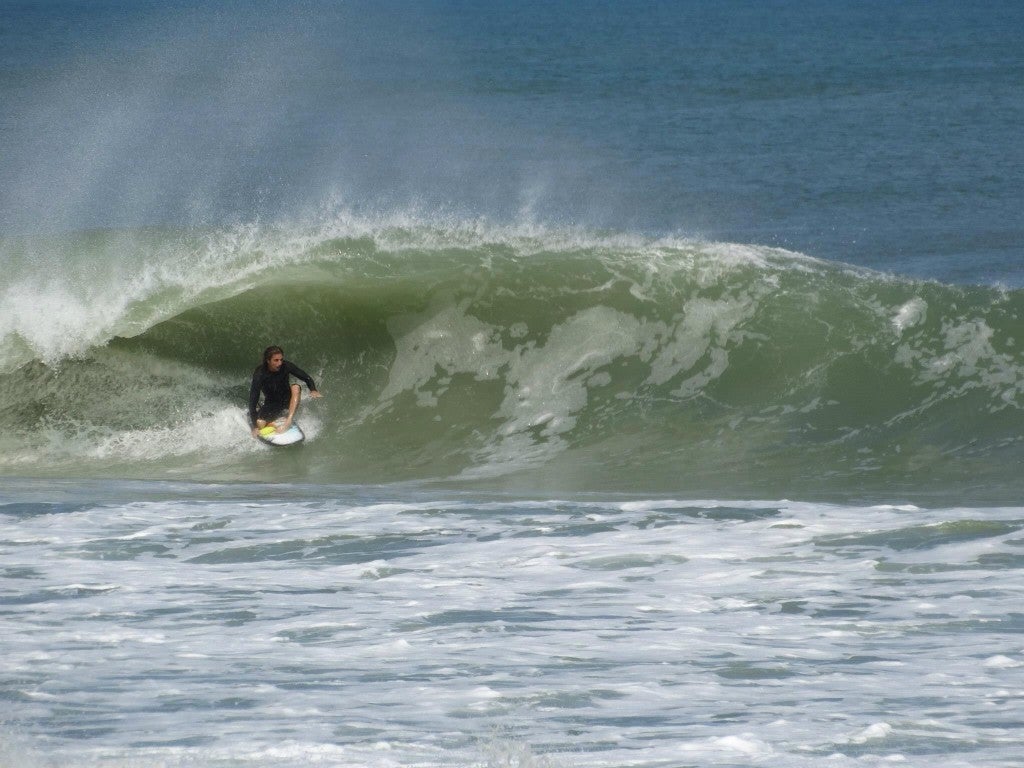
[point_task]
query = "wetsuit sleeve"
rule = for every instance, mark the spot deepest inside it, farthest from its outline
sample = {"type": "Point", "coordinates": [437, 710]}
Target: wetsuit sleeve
{"type": "Point", "coordinates": [298, 373]}
{"type": "Point", "coordinates": [254, 397]}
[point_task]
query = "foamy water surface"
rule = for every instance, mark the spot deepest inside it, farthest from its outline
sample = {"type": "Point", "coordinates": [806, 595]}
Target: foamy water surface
{"type": "Point", "coordinates": [164, 624]}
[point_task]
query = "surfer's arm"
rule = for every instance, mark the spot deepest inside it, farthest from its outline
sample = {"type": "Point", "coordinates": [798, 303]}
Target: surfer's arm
{"type": "Point", "coordinates": [300, 374]}
{"type": "Point", "coordinates": [254, 399]}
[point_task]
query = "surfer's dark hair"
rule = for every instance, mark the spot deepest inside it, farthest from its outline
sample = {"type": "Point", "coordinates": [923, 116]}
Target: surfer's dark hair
{"type": "Point", "coordinates": [269, 352]}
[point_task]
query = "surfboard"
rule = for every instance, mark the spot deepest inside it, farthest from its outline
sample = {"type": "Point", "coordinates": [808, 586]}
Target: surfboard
{"type": "Point", "coordinates": [272, 434]}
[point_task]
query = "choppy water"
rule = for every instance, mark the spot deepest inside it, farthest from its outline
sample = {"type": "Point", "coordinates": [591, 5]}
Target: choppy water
{"type": "Point", "coordinates": [181, 624]}
{"type": "Point", "coordinates": [672, 374]}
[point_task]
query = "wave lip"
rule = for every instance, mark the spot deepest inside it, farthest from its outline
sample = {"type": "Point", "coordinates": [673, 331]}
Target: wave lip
{"type": "Point", "coordinates": [68, 294]}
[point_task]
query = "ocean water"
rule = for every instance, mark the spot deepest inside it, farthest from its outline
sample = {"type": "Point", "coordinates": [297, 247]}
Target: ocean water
{"type": "Point", "coordinates": [673, 395]}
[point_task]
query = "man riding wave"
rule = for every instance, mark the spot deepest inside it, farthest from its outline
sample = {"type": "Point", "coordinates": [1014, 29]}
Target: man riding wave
{"type": "Point", "coordinates": [272, 380]}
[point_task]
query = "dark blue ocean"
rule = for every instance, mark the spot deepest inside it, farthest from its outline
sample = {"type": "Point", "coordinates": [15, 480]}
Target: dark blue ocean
{"type": "Point", "coordinates": [874, 133]}
{"type": "Point", "coordinates": [673, 390]}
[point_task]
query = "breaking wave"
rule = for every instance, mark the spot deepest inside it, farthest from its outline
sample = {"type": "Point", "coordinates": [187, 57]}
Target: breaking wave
{"type": "Point", "coordinates": [468, 352]}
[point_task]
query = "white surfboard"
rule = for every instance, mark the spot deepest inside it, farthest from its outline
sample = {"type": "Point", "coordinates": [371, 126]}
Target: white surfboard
{"type": "Point", "coordinates": [273, 434]}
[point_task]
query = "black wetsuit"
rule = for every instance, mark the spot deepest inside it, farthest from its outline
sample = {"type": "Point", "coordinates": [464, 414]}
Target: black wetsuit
{"type": "Point", "coordinates": [276, 391]}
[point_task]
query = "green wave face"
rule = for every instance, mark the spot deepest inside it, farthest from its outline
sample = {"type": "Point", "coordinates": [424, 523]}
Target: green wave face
{"type": "Point", "coordinates": [526, 359]}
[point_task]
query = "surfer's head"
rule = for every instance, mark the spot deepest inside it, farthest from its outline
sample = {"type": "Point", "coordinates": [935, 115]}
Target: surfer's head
{"type": "Point", "coordinates": [273, 357]}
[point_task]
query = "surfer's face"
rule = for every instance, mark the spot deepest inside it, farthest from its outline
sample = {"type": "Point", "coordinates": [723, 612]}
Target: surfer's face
{"type": "Point", "coordinates": [274, 363]}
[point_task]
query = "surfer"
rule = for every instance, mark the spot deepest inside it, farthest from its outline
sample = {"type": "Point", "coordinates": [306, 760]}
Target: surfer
{"type": "Point", "coordinates": [271, 379]}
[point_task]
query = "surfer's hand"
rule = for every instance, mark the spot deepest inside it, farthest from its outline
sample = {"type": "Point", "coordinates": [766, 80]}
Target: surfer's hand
{"type": "Point", "coordinates": [315, 393]}
{"type": "Point", "coordinates": [255, 431]}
